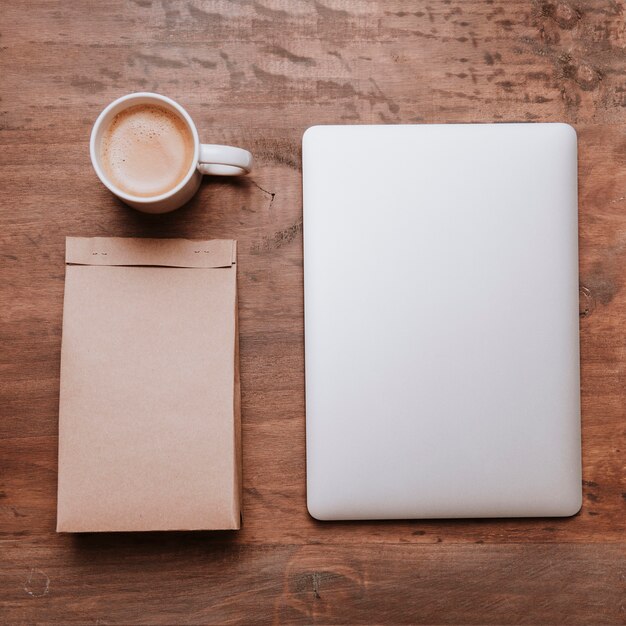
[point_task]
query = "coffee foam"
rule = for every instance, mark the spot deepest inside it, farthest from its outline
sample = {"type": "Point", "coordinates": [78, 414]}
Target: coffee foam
{"type": "Point", "coordinates": [146, 150]}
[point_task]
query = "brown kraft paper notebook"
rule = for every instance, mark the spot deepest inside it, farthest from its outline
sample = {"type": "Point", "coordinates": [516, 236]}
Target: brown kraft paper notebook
{"type": "Point", "coordinates": [149, 423]}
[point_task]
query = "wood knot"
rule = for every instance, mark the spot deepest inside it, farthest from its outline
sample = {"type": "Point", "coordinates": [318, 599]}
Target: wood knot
{"type": "Point", "coordinates": [37, 584]}
{"type": "Point", "coordinates": [585, 76]}
{"type": "Point", "coordinates": [563, 14]}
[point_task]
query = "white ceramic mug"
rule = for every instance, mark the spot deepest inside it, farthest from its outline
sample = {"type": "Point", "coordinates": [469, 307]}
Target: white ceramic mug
{"type": "Point", "coordinates": [208, 158]}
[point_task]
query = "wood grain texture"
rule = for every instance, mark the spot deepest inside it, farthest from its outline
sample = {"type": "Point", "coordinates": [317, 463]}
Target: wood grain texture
{"type": "Point", "coordinates": [256, 73]}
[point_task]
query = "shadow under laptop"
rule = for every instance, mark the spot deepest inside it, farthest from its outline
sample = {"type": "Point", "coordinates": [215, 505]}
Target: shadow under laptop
{"type": "Point", "coordinates": [455, 530]}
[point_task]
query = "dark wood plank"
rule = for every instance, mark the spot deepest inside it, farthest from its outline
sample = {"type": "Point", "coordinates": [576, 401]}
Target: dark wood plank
{"type": "Point", "coordinates": [257, 73]}
{"type": "Point", "coordinates": [111, 580]}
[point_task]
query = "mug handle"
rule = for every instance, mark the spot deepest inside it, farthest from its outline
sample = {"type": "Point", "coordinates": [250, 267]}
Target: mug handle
{"type": "Point", "coordinates": [224, 160]}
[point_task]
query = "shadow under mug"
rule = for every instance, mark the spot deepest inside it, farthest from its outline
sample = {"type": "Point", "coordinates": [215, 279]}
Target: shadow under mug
{"type": "Point", "coordinates": [208, 158]}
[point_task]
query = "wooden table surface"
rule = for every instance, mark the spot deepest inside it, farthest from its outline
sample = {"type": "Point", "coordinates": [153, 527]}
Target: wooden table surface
{"type": "Point", "coordinates": [256, 73]}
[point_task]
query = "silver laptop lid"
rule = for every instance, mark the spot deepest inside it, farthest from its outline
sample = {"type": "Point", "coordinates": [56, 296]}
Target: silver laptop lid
{"type": "Point", "coordinates": [441, 321]}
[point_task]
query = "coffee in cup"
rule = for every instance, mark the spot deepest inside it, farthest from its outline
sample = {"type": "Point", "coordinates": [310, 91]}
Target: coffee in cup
{"type": "Point", "coordinates": [146, 150]}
